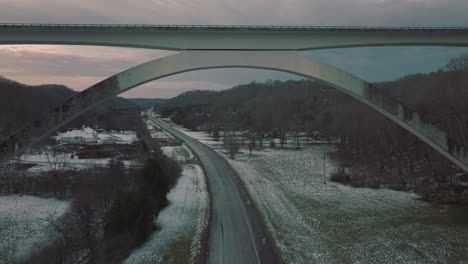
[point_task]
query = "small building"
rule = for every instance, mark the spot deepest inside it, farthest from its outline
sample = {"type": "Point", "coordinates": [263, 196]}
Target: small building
{"type": "Point", "coordinates": [78, 136]}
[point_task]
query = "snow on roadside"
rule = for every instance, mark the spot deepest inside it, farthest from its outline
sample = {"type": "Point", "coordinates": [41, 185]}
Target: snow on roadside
{"type": "Point", "coordinates": [25, 225]}
{"type": "Point", "coordinates": [201, 136]}
{"type": "Point", "coordinates": [169, 151]}
{"type": "Point", "coordinates": [182, 222]}
{"type": "Point", "coordinates": [187, 150]}
{"type": "Point", "coordinates": [178, 153]}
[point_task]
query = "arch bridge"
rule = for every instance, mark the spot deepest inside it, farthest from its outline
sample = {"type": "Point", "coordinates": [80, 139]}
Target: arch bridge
{"type": "Point", "coordinates": [208, 47]}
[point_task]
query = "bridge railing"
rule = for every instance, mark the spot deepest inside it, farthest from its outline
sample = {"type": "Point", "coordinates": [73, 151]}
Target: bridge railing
{"type": "Point", "coordinates": [225, 27]}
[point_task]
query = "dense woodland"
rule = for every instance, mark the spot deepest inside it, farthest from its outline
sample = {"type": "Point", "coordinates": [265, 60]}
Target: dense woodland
{"type": "Point", "coordinates": [373, 151]}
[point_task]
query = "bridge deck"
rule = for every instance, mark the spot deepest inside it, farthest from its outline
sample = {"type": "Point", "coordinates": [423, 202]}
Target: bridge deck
{"type": "Point", "coordinates": [229, 37]}
{"type": "Point", "coordinates": [150, 27]}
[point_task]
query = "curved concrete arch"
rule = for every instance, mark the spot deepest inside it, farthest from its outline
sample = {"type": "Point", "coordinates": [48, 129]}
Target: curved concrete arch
{"type": "Point", "coordinates": [173, 37]}
{"type": "Point", "coordinates": [271, 60]}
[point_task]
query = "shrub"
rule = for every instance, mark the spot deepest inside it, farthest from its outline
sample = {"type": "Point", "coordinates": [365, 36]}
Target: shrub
{"type": "Point", "coordinates": [341, 176]}
{"type": "Point", "coordinates": [126, 211]}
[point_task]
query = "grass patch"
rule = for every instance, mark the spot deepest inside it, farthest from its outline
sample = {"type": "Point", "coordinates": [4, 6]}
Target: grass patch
{"type": "Point", "coordinates": [182, 152]}
{"type": "Point", "coordinates": [179, 252]}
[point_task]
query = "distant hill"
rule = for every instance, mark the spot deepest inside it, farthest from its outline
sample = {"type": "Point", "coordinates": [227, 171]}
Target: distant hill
{"type": "Point", "coordinates": [272, 104]}
{"type": "Point", "coordinates": [20, 104]}
{"type": "Point", "coordinates": [146, 102]}
{"type": "Point", "coordinates": [118, 103]}
{"type": "Point", "coordinates": [196, 97]}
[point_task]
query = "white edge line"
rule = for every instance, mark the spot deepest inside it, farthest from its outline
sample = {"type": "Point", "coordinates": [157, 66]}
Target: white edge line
{"type": "Point", "coordinates": [250, 229]}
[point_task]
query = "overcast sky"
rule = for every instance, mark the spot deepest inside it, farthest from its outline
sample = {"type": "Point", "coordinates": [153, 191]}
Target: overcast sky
{"type": "Point", "coordinates": [80, 67]}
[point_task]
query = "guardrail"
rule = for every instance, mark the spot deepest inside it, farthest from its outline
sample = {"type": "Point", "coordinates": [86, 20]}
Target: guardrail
{"type": "Point", "coordinates": [224, 27]}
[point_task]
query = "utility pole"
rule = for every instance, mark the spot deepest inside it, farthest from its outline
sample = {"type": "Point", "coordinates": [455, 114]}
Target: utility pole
{"type": "Point", "coordinates": [324, 177]}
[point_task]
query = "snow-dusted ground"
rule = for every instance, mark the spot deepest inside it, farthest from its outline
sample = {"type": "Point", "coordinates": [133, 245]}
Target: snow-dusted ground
{"type": "Point", "coordinates": [25, 225]}
{"type": "Point", "coordinates": [179, 153]}
{"type": "Point", "coordinates": [180, 224]}
{"type": "Point", "coordinates": [313, 222]}
{"type": "Point", "coordinates": [201, 136]}
{"type": "Point", "coordinates": [45, 159]}
{"type": "Point", "coordinates": [90, 135]}
{"type": "Point", "coordinates": [64, 161]}
{"type": "Point", "coordinates": [126, 137]}
{"type": "Point", "coordinates": [333, 223]}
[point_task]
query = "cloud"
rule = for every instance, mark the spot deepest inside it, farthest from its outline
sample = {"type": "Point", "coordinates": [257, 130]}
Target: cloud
{"type": "Point", "coordinates": [75, 66]}
{"type": "Point", "coordinates": [289, 12]}
{"type": "Point", "coordinates": [80, 67]}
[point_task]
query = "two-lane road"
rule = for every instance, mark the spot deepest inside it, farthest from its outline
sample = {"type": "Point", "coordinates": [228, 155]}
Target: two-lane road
{"type": "Point", "coordinates": [236, 234]}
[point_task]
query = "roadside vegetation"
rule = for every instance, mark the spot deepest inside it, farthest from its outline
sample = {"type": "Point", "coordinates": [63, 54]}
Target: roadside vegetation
{"type": "Point", "coordinates": [371, 152]}
{"type": "Point", "coordinates": [182, 225]}
{"type": "Point", "coordinates": [112, 209]}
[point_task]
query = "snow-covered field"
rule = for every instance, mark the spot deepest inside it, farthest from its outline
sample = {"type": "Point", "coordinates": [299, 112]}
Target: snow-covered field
{"type": "Point", "coordinates": [181, 224]}
{"type": "Point", "coordinates": [25, 225]}
{"type": "Point", "coordinates": [332, 223]}
{"type": "Point", "coordinates": [313, 222]}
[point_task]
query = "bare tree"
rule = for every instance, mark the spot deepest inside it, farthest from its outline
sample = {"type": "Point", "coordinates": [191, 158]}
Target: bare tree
{"type": "Point", "coordinates": [250, 135]}
{"type": "Point", "coordinates": [230, 143]}
{"type": "Point", "coordinates": [282, 137]}
{"type": "Point", "coordinates": [296, 126]}
{"type": "Point", "coordinates": [7, 179]}
{"type": "Point", "coordinates": [57, 162]}
{"type": "Point", "coordinates": [216, 133]}
{"type": "Point", "coordinates": [458, 64]}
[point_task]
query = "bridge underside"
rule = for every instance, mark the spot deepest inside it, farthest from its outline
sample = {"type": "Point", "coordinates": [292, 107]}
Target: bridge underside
{"type": "Point", "coordinates": [284, 61]}
{"type": "Point", "coordinates": [172, 37]}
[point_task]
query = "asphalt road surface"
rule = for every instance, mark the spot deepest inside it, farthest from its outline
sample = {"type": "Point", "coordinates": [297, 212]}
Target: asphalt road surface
{"type": "Point", "coordinates": [236, 234]}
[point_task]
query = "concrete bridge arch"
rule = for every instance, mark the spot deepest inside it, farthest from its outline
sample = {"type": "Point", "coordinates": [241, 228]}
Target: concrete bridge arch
{"type": "Point", "coordinates": [285, 61]}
